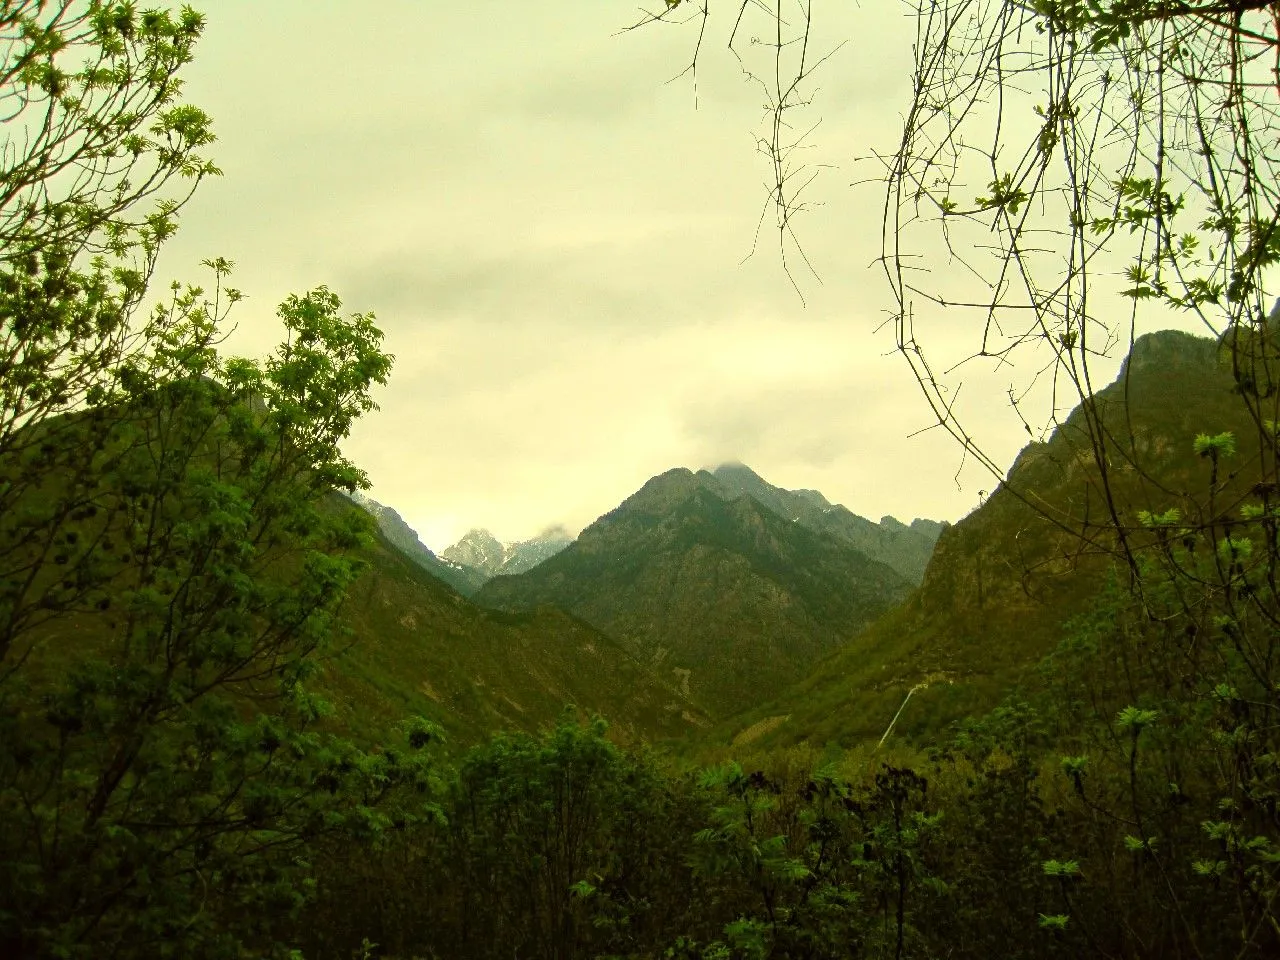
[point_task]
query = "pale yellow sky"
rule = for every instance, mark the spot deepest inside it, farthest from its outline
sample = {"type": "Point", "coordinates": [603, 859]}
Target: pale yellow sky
{"type": "Point", "coordinates": [550, 236]}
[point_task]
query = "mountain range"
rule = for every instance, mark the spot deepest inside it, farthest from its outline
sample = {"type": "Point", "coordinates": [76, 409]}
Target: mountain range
{"type": "Point", "coordinates": [422, 648]}
{"type": "Point", "coordinates": [1005, 580]}
{"type": "Point", "coordinates": [408, 643]}
{"type": "Point", "coordinates": [699, 579]}
{"type": "Point", "coordinates": [480, 551]}
{"type": "Point", "coordinates": [719, 583]}
{"type": "Point", "coordinates": [780, 618]}
{"type": "Point", "coordinates": [475, 559]}
{"type": "Point", "coordinates": [722, 585]}
{"type": "Point", "coordinates": [716, 606]}
{"type": "Point", "coordinates": [404, 538]}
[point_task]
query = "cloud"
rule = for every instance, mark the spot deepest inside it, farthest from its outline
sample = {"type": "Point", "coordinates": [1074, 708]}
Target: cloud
{"type": "Point", "coordinates": [550, 236]}
{"type": "Point", "coordinates": [796, 424]}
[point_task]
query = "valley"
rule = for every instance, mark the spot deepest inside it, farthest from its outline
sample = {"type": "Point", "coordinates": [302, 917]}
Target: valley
{"type": "Point", "coordinates": [714, 592]}
{"type": "Point", "coordinates": [253, 707]}
{"type": "Point", "coordinates": [787, 620]}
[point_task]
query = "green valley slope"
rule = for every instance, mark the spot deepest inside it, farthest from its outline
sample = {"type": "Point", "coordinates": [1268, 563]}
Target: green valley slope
{"type": "Point", "coordinates": [414, 644]}
{"type": "Point", "coordinates": [421, 648]}
{"type": "Point", "coordinates": [1003, 580]}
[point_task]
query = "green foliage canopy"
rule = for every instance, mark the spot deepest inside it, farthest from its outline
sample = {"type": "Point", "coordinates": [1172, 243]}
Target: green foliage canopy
{"type": "Point", "coordinates": [171, 555]}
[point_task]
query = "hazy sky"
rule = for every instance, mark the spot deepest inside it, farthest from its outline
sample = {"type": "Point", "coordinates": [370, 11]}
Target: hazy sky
{"type": "Point", "coordinates": [551, 237]}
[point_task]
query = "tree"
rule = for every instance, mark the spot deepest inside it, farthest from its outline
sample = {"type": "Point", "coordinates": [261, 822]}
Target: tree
{"type": "Point", "coordinates": [99, 157]}
{"type": "Point", "coordinates": [1084, 166]}
{"type": "Point", "coordinates": [1069, 174]}
{"type": "Point", "coordinates": [1124, 147]}
{"type": "Point", "coordinates": [172, 551]}
{"type": "Point", "coordinates": [160, 771]}
{"type": "Point", "coordinates": [95, 155]}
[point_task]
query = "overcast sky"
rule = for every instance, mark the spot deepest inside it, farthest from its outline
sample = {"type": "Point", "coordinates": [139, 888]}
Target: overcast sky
{"type": "Point", "coordinates": [552, 237]}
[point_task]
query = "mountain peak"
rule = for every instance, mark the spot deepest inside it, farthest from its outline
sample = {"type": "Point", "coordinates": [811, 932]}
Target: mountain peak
{"type": "Point", "coordinates": [906, 549]}
{"type": "Point", "coordinates": [676, 475]}
{"type": "Point", "coordinates": [405, 539]}
{"type": "Point", "coordinates": [735, 468]}
{"type": "Point", "coordinates": [478, 549]}
{"type": "Point", "coordinates": [659, 494]}
{"type": "Point", "coordinates": [482, 552]}
{"type": "Point", "coordinates": [1163, 347]}
{"type": "Point", "coordinates": [712, 588]}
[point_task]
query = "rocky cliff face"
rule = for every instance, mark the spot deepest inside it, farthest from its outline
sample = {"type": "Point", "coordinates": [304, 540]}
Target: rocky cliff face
{"type": "Point", "coordinates": [904, 548]}
{"type": "Point", "coordinates": [482, 552]}
{"type": "Point", "coordinates": [710, 586]}
{"type": "Point", "coordinates": [405, 539]}
{"type": "Point", "coordinates": [478, 549]}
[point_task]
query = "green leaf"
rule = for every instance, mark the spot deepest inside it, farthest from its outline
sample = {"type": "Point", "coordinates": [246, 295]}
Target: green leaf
{"type": "Point", "coordinates": [1169, 518]}
{"type": "Point", "coordinates": [1060, 868]}
{"type": "Point", "coordinates": [1215, 446]}
{"type": "Point", "coordinates": [1074, 766]}
{"type": "Point", "coordinates": [1135, 719]}
{"type": "Point", "coordinates": [1138, 844]}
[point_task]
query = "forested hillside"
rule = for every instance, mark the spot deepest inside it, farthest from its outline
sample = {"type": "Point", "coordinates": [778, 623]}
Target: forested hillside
{"type": "Point", "coordinates": [420, 649]}
{"type": "Point", "coordinates": [1004, 581]}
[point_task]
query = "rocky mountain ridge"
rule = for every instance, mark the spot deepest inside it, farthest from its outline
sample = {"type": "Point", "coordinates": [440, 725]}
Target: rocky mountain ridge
{"type": "Point", "coordinates": [904, 547]}
{"type": "Point", "coordinates": [710, 586]}
{"type": "Point", "coordinates": [404, 538]}
{"type": "Point", "coordinates": [482, 552]}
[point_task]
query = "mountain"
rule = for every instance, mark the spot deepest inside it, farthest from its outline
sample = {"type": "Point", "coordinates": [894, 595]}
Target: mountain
{"type": "Point", "coordinates": [412, 645]}
{"type": "Point", "coordinates": [421, 648]}
{"type": "Point", "coordinates": [478, 550]}
{"type": "Point", "coordinates": [404, 538]}
{"type": "Point", "coordinates": [481, 553]}
{"type": "Point", "coordinates": [418, 648]}
{"type": "Point", "coordinates": [904, 548]}
{"type": "Point", "coordinates": [711, 587]}
{"type": "Point", "coordinates": [527, 554]}
{"type": "Point", "coordinates": [1004, 580]}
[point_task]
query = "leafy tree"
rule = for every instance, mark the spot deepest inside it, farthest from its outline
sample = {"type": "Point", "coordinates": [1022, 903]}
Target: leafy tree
{"type": "Point", "coordinates": [556, 845]}
{"type": "Point", "coordinates": [1127, 176]}
{"type": "Point", "coordinates": [999, 827]}
{"type": "Point", "coordinates": [1089, 167]}
{"type": "Point", "coordinates": [164, 768]}
{"type": "Point", "coordinates": [1167, 772]}
{"type": "Point", "coordinates": [99, 158]}
{"type": "Point", "coordinates": [539, 817]}
{"type": "Point", "coordinates": [1082, 164]}
{"type": "Point", "coordinates": [172, 554]}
